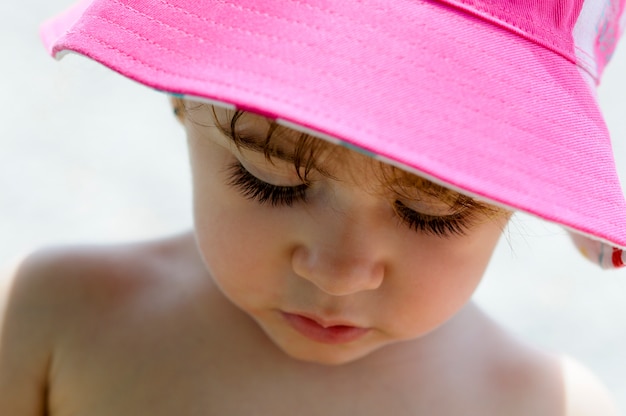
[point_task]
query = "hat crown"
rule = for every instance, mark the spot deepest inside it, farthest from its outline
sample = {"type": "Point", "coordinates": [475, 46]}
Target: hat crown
{"type": "Point", "coordinates": [583, 31]}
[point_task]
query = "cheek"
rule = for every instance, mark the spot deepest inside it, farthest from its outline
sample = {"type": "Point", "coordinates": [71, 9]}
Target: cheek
{"type": "Point", "coordinates": [244, 245]}
{"type": "Point", "coordinates": [231, 246]}
{"type": "Point", "coordinates": [439, 279]}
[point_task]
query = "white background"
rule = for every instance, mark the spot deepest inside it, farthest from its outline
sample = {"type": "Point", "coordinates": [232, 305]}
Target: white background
{"type": "Point", "coordinates": [88, 156]}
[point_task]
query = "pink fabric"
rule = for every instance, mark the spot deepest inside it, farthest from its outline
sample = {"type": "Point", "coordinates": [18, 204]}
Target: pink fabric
{"type": "Point", "coordinates": [459, 97]}
{"type": "Point", "coordinates": [551, 24]}
{"type": "Point", "coordinates": [547, 22]}
{"type": "Point", "coordinates": [55, 29]}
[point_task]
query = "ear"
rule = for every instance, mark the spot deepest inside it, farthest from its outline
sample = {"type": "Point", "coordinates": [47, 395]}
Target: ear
{"type": "Point", "coordinates": [178, 106]}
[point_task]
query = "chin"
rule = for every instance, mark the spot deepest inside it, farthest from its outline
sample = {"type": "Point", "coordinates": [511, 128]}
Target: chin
{"type": "Point", "coordinates": [302, 349]}
{"type": "Point", "coordinates": [329, 355]}
{"type": "Point", "coordinates": [330, 360]}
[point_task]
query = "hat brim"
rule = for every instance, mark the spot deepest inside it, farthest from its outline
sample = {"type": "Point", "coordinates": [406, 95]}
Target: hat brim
{"type": "Point", "coordinates": [421, 85]}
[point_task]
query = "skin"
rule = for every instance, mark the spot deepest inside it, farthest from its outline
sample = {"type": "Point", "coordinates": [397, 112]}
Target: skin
{"type": "Point", "coordinates": [342, 255]}
{"type": "Point", "coordinates": [192, 324]}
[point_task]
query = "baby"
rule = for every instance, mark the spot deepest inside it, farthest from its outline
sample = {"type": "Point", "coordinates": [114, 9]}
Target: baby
{"type": "Point", "coordinates": [354, 165]}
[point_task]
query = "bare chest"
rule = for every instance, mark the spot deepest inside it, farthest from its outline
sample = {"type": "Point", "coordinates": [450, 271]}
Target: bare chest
{"type": "Point", "coordinates": [184, 376]}
{"type": "Point", "coordinates": [170, 363]}
{"type": "Point", "coordinates": [189, 380]}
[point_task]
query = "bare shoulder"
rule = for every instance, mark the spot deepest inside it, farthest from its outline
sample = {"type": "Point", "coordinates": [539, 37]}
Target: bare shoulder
{"type": "Point", "coordinates": [584, 392]}
{"type": "Point", "coordinates": [58, 291]}
{"type": "Point", "coordinates": [554, 385]}
{"type": "Point", "coordinates": [64, 279]}
{"type": "Point", "coordinates": [24, 345]}
{"type": "Point", "coordinates": [527, 380]}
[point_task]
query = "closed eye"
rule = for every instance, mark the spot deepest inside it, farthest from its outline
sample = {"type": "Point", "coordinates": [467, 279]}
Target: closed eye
{"type": "Point", "coordinates": [439, 225]}
{"type": "Point", "coordinates": [262, 192]}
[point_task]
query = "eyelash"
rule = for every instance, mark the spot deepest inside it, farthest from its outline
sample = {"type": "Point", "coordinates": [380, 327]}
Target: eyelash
{"type": "Point", "coordinates": [262, 192]}
{"type": "Point", "coordinates": [443, 226]}
{"type": "Point", "coordinates": [257, 190]}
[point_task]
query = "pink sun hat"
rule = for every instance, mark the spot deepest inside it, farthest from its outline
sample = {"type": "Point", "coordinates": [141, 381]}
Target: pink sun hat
{"type": "Point", "coordinates": [494, 98]}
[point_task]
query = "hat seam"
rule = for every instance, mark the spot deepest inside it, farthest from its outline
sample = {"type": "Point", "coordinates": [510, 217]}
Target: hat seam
{"type": "Point", "coordinates": [338, 76]}
{"type": "Point", "coordinates": [586, 63]}
{"type": "Point", "coordinates": [314, 27]}
{"type": "Point", "coordinates": [398, 76]}
{"type": "Point", "coordinates": [514, 144]}
{"type": "Point", "coordinates": [529, 30]}
{"type": "Point", "coordinates": [571, 57]}
{"type": "Point", "coordinates": [260, 94]}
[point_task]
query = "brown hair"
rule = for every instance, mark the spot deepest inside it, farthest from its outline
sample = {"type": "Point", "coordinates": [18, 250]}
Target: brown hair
{"type": "Point", "coordinates": [307, 151]}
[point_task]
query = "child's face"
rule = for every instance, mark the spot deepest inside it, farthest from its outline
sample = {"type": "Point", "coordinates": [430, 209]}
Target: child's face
{"type": "Point", "coordinates": [337, 268]}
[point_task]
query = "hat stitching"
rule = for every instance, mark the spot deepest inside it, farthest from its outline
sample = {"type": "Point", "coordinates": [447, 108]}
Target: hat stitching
{"type": "Point", "coordinates": [160, 47]}
{"type": "Point", "coordinates": [588, 63]}
{"type": "Point", "coordinates": [530, 30]}
{"type": "Point", "coordinates": [279, 99]}
{"type": "Point", "coordinates": [339, 77]}
{"type": "Point", "coordinates": [452, 97]}
{"type": "Point", "coordinates": [314, 27]}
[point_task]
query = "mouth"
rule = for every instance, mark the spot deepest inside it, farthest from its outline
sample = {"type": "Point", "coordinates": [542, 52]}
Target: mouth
{"type": "Point", "coordinates": [325, 332]}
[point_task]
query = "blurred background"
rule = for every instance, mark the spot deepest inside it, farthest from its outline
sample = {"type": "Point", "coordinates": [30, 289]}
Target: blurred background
{"type": "Point", "coordinates": [87, 156]}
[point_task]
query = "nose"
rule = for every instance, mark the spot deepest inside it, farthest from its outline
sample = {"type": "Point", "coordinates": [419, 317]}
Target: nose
{"type": "Point", "coordinates": [341, 267]}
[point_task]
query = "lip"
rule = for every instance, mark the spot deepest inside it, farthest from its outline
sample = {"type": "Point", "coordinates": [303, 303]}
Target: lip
{"type": "Point", "coordinates": [326, 332]}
